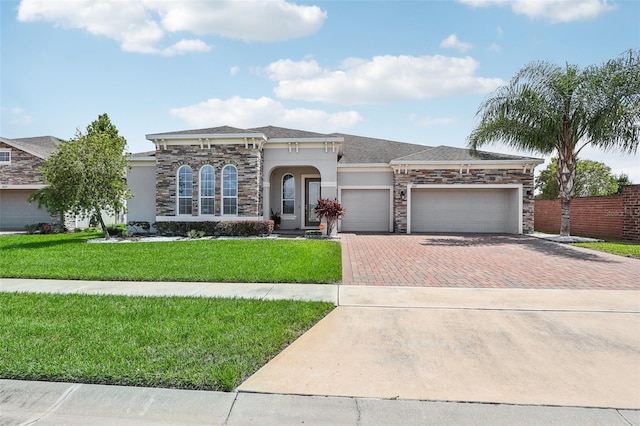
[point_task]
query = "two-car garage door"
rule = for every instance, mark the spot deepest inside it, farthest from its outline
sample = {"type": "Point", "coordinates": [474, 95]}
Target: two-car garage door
{"type": "Point", "coordinates": [436, 208]}
{"type": "Point", "coordinates": [464, 209]}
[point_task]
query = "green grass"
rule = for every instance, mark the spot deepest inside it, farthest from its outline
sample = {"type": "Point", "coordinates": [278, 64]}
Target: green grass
{"type": "Point", "coordinates": [622, 248]}
{"type": "Point", "coordinates": [68, 256]}
{"type": "Point", "coordinates": [173, 342]}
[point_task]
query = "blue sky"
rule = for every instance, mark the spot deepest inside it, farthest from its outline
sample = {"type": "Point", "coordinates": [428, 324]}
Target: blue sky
{"type": "Point", "coordinates": [413, 71]}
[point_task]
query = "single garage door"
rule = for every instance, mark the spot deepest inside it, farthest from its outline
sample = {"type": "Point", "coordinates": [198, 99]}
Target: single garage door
{"type": "Point", "coordinates": [367, 210]}
{"type": "Point", "coordinates": [465, 210]}
{"type": "Point", "coordinates": [15, 212]}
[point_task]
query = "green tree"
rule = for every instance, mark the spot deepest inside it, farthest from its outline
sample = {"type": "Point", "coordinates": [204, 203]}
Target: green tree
{"type": "Point", "coordinates": [86, 174]}
{"type": "Point", "coordinates": [623, 180]}
{"type": "Point", "coordinates": [593, 178]}
{"type": "Point", "coordinates": [45, 197]}
{"type": "Point", "coordinates": [547, 108]}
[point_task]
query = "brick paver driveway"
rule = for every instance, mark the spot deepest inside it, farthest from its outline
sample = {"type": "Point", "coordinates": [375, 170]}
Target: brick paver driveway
{"type": "Point", "coordinates": [489, 261]}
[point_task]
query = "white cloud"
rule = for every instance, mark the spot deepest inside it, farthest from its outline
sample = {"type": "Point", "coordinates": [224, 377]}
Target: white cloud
{"type": "Point", "coordinates": [184, 46]}
{"type": "Point", "coordinates": [234, 70]}
{"type": "Point", "coordinates": [453, 42]}
{"type": "Point", "coordinates": [247, 112]}
{"type": "Point", "coordinates": [380, 79]}
{"type": "Point", "coordinates": [494, 47]}
{"type": "Point", "coordinates": [432, 121]}
{"type": "Point", "coordinates": [18, 116]}
{"type": "Point", "coordinates": [552, 10]}
{"type": "Point", "coordinates": [141, 25]}
{"type": "Point", "coordinates": [255, 20]}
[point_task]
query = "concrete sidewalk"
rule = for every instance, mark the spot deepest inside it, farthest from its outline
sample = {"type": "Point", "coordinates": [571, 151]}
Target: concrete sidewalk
{"type": "Point", "coordinates": [387, 355]}
{"type": "Point", "coordinates": [46, 403]}
{"type": "Point", "coordinates": [267, 291]}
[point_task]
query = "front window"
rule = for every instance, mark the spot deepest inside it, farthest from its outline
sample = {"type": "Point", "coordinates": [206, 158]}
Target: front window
{"type": "Point", "coordinates": [185, 190]}
{"type": "Point", "coordinates": [5, 156]}
{"type": "Point", "coordinates": [230, 190]}
{"type": "Point", "coordinates": [207, 190]}
{"type": "Point", "coordinates": [288, 194]}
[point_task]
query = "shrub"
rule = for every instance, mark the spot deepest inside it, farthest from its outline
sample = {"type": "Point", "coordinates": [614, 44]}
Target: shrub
{"type": "Point", "coordinates": [117, 230]}
{"type": "Point", "coordinates": [242, 228]}
{"type": "Point", "coordinates": [195, 234]}
{"type": "Point", "coordinates": [139, 227]}
{"type": "Point", "coordinates": [40, 228]}
{"type": "Point", "coordinates": [331, 210]}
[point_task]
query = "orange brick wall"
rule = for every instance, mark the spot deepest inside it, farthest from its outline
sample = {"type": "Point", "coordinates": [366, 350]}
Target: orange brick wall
{"type": "Point", "coordinates": [613, 216]}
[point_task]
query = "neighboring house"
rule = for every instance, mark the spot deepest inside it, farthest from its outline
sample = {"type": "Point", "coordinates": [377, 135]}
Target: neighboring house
{"type": "Point", "coordinates": [226, 173]}
{"type": "Point", "coordinates": [20, 176]}
{"type": "Point", "coordinates": [20, 160]}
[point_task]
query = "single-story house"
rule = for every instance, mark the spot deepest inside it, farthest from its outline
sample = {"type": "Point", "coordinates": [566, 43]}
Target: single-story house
{"type": "Point", "coordinates": [226, 173]}
{"type": "Point", "coordinates": [20, 176]}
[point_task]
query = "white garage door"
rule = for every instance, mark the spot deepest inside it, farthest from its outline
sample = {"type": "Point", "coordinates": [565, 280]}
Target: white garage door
{"type": "Point", "coordinates": [367, 210]}
{"type": "Point", "coordinates": [15, 212]}
{"type": "Point", "coordinates": [465, 210]}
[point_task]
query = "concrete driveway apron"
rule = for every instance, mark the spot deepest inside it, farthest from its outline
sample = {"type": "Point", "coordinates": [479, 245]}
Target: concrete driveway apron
{"type": "Point", "coordinates": [546, 342]}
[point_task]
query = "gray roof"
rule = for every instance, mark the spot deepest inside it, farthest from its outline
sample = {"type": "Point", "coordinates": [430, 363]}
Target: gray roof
{"type": "Point", "coordinates": [360, 149]}
{"type": "Point", "coordinates": [449, 153]}
{"type": "Point", "coordinates": [40, 145]}
{"type": "Point", "coordinates": [207, 131]}
{"type": "Point", "coordinates": [273, 132]}
{"type": "Point", "coordinates": [143, 154]}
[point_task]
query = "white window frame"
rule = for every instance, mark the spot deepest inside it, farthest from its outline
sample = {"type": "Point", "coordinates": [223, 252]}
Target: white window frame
{"type": "Point", "coordinates": [184, 197]}
{"type": "Point", "coordinates": [282, 199]}
{"type": "Point", "coordinates": [213, 189]}
{"type": "Point", "coordinates": [224, 189]}
{"type": "Point", "coordinates": [7, 150]}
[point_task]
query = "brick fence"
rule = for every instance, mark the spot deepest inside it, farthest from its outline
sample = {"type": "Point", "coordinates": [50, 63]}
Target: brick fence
{"type": "Point", "coordinates": [612, 216]}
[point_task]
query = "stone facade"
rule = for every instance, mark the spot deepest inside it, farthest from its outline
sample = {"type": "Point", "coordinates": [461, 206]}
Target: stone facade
{"type": "Point", "coordinates": [23, 170]}
{"type": "Point", "coordinates": [479, 176]}
{"type": "Point", "coordinates": [247, 160]}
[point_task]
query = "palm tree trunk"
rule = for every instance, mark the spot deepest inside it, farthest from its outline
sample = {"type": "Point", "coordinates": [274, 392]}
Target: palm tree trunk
{"type": "Point", "coordinates": [566, 181]}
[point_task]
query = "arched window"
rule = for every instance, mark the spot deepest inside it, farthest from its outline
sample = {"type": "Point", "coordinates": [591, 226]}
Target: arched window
{"type": "Point", "coordinates": [288, 194]}
{"type": "Point", "coordinates": [185, 190]}
{"type": "Point", "coordinates": [207, 190]}
{"type": "Point", "coordinates": [230, 190]}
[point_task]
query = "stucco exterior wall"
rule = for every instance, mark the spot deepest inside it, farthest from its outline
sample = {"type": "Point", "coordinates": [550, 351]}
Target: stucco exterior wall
{"type": "Point", "coordinates": [275, 193]}
{"type": "Point", "coordinates": [473, 176]}
{"type": "Point", "coordinates": [365, 178]}
{"type": "Point", "coordinates": [319, 160]}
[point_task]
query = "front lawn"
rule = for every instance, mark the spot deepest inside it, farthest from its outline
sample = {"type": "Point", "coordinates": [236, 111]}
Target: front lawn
{"type": "Point", "coordinates": [619, 247]}
{"type": "Point", "coordinates": [68, 256]}
{"type": "Point", "coordinates": [173, 342]}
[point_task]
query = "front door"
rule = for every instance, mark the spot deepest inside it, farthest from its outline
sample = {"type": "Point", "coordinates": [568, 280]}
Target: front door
{"type": "Point", "coordinates": [311, 195]}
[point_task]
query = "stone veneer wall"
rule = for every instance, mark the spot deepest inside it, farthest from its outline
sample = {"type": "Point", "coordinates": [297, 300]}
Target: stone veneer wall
{"type": "Point", "coordinates": [481, 176]}
{"type": "Point", "coordinates": [249, 162]}
{"type": "Point", "coordinates": [23, 170]}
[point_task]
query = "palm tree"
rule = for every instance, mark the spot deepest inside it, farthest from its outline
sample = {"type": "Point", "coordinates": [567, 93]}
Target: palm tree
{"type": "Point", "coordinates": [547, 108]}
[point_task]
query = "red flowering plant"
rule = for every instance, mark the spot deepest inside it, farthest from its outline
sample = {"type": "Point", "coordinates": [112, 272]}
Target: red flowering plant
{"type": "Point", "coordinates": [330, 210]}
